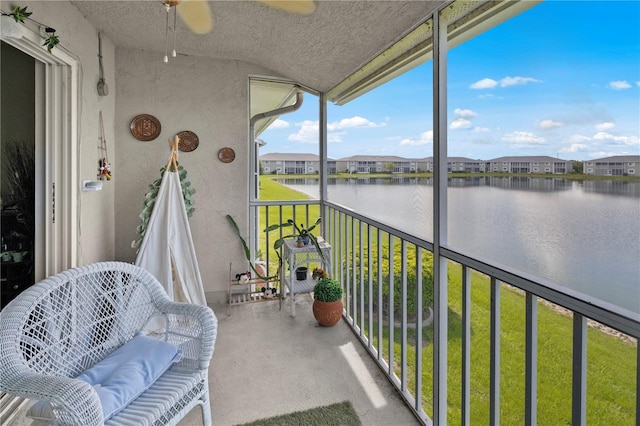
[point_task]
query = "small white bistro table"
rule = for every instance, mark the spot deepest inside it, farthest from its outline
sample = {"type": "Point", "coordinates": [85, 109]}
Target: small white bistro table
{"type": "Point", "coordinates": [294, 257]}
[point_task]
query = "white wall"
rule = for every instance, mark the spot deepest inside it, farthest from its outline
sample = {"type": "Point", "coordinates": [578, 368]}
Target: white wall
{"type": "Point", "coordinates": [210, 98]}
{"type": "Point", "coordinates": [80, 39]}
{"type": "Point", "coordinates": [206, 96]}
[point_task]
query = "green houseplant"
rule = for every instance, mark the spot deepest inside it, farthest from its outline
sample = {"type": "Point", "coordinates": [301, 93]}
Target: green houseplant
{"type": "Point", "coordinates": [300, 233]}
{"type": "Point", "coordinates": [327, 301]}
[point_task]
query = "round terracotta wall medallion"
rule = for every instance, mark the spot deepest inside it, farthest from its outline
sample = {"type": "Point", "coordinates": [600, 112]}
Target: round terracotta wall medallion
{"type": "Point", "coordinates": [226, 155]}
{"type": "Point", "coordinates": [145, 127]}
{"type": "Point", "coordinates": [188, 141]}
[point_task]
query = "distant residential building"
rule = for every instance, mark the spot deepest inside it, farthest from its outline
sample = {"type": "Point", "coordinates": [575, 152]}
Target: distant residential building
{"type": "Point", "coordinates": [376, 164]}
{"type": "Point", "coordinates": [617, 165]}
{"type": "Point", "coordinates": [284, 163]}
{"type": "Point", "coordinates": [293, 164]}
{"type": "Point", "coordinates": [529, 164]}
{"type": "Point", "coordinates": [454, 164]}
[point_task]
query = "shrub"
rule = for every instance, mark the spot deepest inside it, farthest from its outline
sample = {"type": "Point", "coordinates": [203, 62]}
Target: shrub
{"type": "Point", "coordinates": [327, 290]}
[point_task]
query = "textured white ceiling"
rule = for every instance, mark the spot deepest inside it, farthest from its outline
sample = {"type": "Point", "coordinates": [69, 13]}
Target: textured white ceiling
{"type": "Point", "coordinates": [318, 50]}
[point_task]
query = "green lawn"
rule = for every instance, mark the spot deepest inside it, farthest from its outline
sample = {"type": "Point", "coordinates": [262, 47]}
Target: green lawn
{"type": "Point", "coordinates": [273, 191]}
{"type": "Point", "coordinates": [611, 363]}
{"type": "Point", "coordinates": [611, 373]}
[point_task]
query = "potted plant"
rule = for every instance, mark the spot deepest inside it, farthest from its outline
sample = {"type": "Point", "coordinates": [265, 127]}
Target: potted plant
{"type": "Point", "coordinates": [327, 301]}
{"type": "Point", "coordinates": [300, 233]}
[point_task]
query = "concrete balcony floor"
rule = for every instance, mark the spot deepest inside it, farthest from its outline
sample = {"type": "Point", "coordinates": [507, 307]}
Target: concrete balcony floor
{"type": "Point", "coordinates": [268, 363]}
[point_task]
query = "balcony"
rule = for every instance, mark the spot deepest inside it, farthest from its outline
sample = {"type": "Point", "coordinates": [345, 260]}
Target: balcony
{"type": "Point", "coordinates": [506, 348]}
{"type": "Point", "coordinates": [489, 351]}
{"type": "Point", "coordinates": [267, 363]}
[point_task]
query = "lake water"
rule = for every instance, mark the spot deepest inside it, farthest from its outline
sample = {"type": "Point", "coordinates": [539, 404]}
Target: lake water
{"type": "Point", "coordinates": [584, 235]}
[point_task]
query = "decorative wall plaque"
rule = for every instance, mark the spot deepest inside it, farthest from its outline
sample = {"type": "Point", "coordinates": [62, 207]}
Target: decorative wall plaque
{"type": "Point", "coordinates": [145, 127]}
{"type": "Point", "coordinates": [188, 141]}
{"type": "Point", "coordinates": [226, 155]}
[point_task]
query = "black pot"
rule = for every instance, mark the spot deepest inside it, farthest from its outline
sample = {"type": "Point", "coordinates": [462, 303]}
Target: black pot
{"type": "Point", "coordinates": [301, 273]}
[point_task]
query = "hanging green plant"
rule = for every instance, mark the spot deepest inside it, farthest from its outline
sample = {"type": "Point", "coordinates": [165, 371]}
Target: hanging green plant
{"type": "Point", "coordinates": [150, 201]}
{"type": "Point", "coordinates": [19, 14]}
{"type": "Point", "coordinates": [52, 41]}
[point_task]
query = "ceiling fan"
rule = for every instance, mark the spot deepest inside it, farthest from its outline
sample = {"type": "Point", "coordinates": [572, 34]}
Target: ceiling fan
{"type": "Point", "coordinates": [197, 15]}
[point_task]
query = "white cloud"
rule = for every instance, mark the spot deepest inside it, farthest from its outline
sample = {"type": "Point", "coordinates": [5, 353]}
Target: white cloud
{"type": "Point", "coordinates": [424, 139]}
{"type": "Point", "coordinates": [517, 81]}
{"type": "Point", "coordinates": [485, 83]}
{"type": "Point", "coordinates": [619, 85]}
{"type": "Point", "coordinates": [488, 83]}
{"type": "Point", "coordinates": [480, 129]}
{"type": "Point", "coordinates": [604, 126]}
{"type": "Point", "coordinates": [524, 138]}
{"type": "Point", "coordinates": [550, 124]}
{"type": "Point", "coordinates": [353, 122]}
{"type": "Point", "coordinates": [308, 132]}
{"type": "Point", "coordinates": [466, 113]}
{"type": "Point", "coordinates": [603, 136]}
{"type": "Point", "coordinates": [626, 140]}
{"type": "Point", "coordinates": [575, 147]}
{"type": "Point", "coordinates": [460, 123]}
{"type": "Point", "coordinates": [335, 137]}
{"type": "Point", "coordinates": [578, 139]}
{"type": "Point", "coordinates": [638, 83]}
{"type": "Point", "coordinates": [279, 124]}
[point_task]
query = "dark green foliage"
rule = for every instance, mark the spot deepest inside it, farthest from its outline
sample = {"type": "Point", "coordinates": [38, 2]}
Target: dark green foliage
{"type": "Point", "coordinates": [327, 290]}
{"type": "Point", "coordinates": [51, 42]}
{"type": "Point", "coordinates": [298, 232]}
{"type": "Point", "coordinates": [247, 252]}
{"type": "Point", "coordinates": [19, 14]}
{"type": "Point", "coordinates": [150, 201]}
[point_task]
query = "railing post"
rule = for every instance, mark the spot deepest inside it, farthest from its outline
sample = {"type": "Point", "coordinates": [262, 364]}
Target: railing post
{"type": "Point", "coordinates": [391, 305]}
{"type": "Point", "coordinates": [370, 297]}
{"type": "Point", "coordinates": [638, 384]}
{"type": "Point", "coordinates": [579, 392]}
{"type": "Point", "coordinates": [494, 378]}
{"type": "Point", "coordinates": [403, 321]}
{"type": "Point", "coordinates": [466, 346]}
{"type": "Point", "coordinates": [380, 293]}
{"type": "Point", "coordinates": [440, 284]}
{"type": "Point", "coordinates": [531, 360]}
{"type": "Point", "coordinates": [418, 345]}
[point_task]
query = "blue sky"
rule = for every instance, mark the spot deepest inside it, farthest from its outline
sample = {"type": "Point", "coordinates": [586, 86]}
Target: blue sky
{"type": "Point", "coordinates": [561, 79]}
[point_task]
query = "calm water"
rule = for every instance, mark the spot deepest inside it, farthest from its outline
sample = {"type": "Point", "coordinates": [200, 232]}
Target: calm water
{"type": "Point", "coordinates": [581, 235]}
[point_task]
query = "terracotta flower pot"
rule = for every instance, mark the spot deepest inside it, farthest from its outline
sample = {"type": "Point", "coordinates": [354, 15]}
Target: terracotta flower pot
{"type": "Point", "coordinates": [327, 313]}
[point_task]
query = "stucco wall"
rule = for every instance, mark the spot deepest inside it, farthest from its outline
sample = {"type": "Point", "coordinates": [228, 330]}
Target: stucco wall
{"type": "Point", "coordinates": [210, 98]}
{"type": "Point", "coordinates": [80, 40]}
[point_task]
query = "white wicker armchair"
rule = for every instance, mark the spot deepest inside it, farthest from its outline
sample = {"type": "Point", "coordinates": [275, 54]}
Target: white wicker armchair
{"type": "Point", "coordinates": [67, 323]}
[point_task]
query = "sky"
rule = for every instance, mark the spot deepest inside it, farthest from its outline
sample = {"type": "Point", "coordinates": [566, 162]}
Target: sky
{"type": "Point", "coordinates": [561, 79]}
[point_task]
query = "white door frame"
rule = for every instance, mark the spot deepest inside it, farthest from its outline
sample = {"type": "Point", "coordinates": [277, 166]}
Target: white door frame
{"type": "Point", "coordinates": [57, 104]}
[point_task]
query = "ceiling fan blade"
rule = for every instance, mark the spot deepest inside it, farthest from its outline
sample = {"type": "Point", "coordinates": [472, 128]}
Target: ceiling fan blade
{"type": "Point", "coordinates": [301, 7]}
{"type": "Point", "coordinates": [196, 15]}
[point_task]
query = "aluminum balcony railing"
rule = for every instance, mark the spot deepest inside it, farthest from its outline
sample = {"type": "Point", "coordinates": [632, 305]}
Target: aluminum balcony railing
{"type": "Point", "coordinates": [388, 280]}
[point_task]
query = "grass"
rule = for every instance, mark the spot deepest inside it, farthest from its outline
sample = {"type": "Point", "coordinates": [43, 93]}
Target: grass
{"type": "Point", "coordinates": [611, 362]}
{"type": "Point", "coordinates": [273, 191]}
